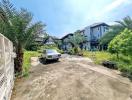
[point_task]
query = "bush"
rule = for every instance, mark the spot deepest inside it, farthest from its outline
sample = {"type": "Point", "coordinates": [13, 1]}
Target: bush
{"type": "Point", "coordinates": [126, 69]}
{"type": "Point", "coordinates": [71, 51]}
{"type": "Point", "coordinates": [75, 51]}
{"type": "Point", "coordinates": [33, 47]}
{"type": "Point", "coordinates": [122, 43]}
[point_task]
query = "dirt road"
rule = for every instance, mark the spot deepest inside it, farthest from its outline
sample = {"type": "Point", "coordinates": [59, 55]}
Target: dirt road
{"type": "Point", "coordinates": [73, 78]}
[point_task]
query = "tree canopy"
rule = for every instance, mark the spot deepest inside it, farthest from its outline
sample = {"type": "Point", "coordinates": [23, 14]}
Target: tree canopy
{"type": "Point", "coordinates": [122, 43]}
{"type": "Point", "coordinates": [17, 25]}
{"type": "Point", "coordinates": [116, 29]}
{"type": "Point", "coordinates": [76, 39]}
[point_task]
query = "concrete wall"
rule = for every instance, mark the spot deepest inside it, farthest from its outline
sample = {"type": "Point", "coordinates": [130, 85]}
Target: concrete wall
{"type": "Point", "coordinates": [6, 68]}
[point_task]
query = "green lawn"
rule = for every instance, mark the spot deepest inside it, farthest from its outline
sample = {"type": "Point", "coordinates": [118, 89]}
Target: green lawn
{"type": "Point", "coordinates": [99, 56]}
{"type": "Point", "coordinates": [27, 60]}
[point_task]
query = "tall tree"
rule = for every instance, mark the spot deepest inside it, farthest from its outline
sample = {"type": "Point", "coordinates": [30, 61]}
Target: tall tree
{"type": "Point", "coordinates": [76, 40]}
{"type": "Point", "coordinates": [126, 23]}
{"type": "Point", "coordinates": [18, 27]}
{"type": "Point", "coordinates": [113, 31]}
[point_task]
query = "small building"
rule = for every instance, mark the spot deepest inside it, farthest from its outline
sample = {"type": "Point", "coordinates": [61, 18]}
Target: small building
{"type": "Point", "coordinates": [65, 44]}
{"type": "Point", "coordinates": [39, 38]}
{"type": "Point", "coordinates": [49, 41]}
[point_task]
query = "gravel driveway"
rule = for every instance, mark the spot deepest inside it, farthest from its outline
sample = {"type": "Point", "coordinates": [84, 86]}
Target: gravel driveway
{"type": "Point", "coordinates": [72, 78]}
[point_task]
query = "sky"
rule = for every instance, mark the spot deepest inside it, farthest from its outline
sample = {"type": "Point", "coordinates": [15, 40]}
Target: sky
{"type": "Point", "coordinates": [67, 16]}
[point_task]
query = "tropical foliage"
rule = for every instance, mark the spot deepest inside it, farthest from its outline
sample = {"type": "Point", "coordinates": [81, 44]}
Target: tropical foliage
{"type": "Point", "coordinates": [76, 40]}
{"type": "Point", "coordinates": [18, 27]}
{"type": "Point", "coordinates": [122, 43]}
{"type": "Point", "coordinates": [113, 31]}
{"type": "Point", "coordinates": [119, 41]}
{"type": "Point", "coordinates": [116, 29]}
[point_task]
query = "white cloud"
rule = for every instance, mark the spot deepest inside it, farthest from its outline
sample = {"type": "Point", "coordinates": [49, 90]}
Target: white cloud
{"type": "Point", "coordinates": [111, 7]}
{"type": "Point", "coordinates": [86, 12]}
{"type": "Point", "coordinates": [115, 4]}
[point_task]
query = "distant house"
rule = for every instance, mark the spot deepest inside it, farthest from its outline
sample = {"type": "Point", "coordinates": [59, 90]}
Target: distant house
{"type": "Point", "coordinates": [49, 41]}
{"type": "Point", "coordinates": [93, 33]}
{"type": "Point", "coordinates": [39, 39]}
{"type": "Point", "coordinates": [65, 44]}
{"type": "Point", "coordinates": [44, 38]}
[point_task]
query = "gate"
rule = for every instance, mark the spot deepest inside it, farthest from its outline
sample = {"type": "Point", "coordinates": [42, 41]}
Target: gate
{"type": "Point", "coordinates": [6, 68]}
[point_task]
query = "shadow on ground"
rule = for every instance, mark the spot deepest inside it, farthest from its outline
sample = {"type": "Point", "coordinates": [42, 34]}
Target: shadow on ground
{"type": "Point", "coordinates": [48, 62]}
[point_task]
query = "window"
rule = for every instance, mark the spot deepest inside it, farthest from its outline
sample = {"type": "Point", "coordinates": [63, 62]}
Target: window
{"type": "Point", "coordinates": [104, 29]}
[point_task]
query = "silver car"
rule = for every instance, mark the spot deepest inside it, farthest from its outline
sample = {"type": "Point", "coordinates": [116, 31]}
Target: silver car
{"type": "Point", "coordinates": [50, 54]}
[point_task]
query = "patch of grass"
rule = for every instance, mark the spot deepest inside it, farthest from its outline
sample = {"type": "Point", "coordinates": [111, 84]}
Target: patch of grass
{"type": "Point", "coordinates": [124, 63]}
{"type": "Point", "coordinates": [98, 56]}
{"type": "Point", "coordinates": [27, 61]}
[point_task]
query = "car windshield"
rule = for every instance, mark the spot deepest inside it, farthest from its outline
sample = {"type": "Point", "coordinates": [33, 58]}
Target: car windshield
{"type": "Point", "coordinates": [51, 51]}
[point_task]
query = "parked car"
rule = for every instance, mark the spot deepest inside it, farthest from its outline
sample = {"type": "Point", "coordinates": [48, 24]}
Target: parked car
{"type": "Point", "coordinates": [50, 54]}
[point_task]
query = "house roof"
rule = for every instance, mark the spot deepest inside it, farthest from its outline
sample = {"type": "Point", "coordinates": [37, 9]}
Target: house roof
{"type": "Point", "coordinates": [70, 34]}
{"type": "Point", "coordinates": [49, 39]}
{"type": "Point", "coordinates": [39, 39]}
{"type": "Point", "coordinates": [82, 31]}
{"type": "Point", "coordinates": [98, 24]}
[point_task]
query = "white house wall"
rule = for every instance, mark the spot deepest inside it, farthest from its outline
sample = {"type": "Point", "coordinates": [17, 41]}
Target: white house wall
{"type": "Point", "coordinates": [94, 33]}
{"type": "Point", "coordinates": [87, 33]}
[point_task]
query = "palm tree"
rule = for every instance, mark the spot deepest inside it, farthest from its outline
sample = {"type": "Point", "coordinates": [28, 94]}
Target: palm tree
{"type": "Point", "coordinates": [76, 40]}
{"type": "Point", "coordinates": [126, 23]}
{"type": "Point", "coordinates": [116, 29]}
{"type": "Point", "coordinates": [18, 27]}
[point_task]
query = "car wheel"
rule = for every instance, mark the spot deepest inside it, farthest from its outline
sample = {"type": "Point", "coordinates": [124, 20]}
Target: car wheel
{"type": "Point", "coordinates": [57, 59]}
{"type": "Point", "coordinates": [44, 60]}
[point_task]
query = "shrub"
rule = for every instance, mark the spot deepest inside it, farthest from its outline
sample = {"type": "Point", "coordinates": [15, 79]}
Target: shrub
{"type": "Point", "coordinates": [126, 69]}
{"type": "Point", "coordinates": [75, 51]}
{"type": "Point", "coordinates": [122, 43]}
{"type": "Point", "coordinates": [71, 51]}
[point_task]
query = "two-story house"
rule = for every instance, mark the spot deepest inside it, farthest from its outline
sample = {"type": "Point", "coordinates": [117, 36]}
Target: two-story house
{"type": "Point", "coordinates": [93, 33]}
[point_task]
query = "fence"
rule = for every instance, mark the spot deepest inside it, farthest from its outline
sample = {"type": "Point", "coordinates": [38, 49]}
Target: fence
{"type": "Point", "coordinates": [6, 68]}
